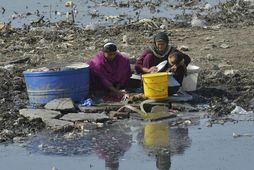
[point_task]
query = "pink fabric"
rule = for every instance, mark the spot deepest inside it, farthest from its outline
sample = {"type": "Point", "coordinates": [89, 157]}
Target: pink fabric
{"type": "Point", "coordinates": [105, 73]}
{"type": "Point", "coordinates": [147, 60]}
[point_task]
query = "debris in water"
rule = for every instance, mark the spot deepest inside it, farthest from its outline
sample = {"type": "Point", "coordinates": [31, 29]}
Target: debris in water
{"type": "Point", "coordinates": [236, 135]}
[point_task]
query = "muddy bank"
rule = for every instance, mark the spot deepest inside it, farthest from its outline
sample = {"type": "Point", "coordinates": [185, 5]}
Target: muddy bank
{"type": "Point", "coordinates": [223, 50]}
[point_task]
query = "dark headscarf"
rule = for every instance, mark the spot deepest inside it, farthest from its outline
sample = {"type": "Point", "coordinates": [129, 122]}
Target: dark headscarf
{"type": "Point", "coordinates": [109, 47]}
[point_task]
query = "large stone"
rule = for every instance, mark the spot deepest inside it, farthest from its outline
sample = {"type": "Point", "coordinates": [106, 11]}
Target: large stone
{"type": "Point", "coordinates": [91, 117]}
{"type": "Point", "coordinates": [58, 125]}
{"type": "Point", "coordinates": [160, 109]}
{"type": "Point", "coordinates": [39, 113]}
{"type": "Point", "coordinates": [118, 115]}
{"type": "Point", "coordinates": [99, 109]}
{"type": "Point", "coordinates": [251, 104]}
{"type": "Point", "coordinates": [62, 104]}
{"type": "Point", "coordinates": [230, 72]}
{"type": "Point", "coordinates": [224, 46]}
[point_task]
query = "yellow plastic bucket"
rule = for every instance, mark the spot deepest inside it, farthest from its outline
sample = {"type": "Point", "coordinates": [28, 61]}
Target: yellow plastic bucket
{"type": "Point", "coordinates": [155, 85]}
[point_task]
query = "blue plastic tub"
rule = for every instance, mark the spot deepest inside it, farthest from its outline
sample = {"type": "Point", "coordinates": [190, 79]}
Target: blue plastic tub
{"type": "Point", "coordinates": [45, 86]}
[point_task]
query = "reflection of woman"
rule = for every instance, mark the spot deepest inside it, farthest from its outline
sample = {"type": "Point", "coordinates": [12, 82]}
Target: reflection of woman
{"type": "Point", "coordinates": [161, 141]}
{"type": "Point", "coordinates": [111, 144]}
{"type": "Point", "coordinates": [110, 70]}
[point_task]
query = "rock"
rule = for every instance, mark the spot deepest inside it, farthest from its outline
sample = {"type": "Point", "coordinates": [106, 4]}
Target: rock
{"type": "Point", "coordinates": [184, 48]}
{"type": "Point", "coordinates": [91, 117]}
{"type": "Point", "coordinates": [230, 72]}
{"type": "Point", "coordinates": [196, 22]}
{"type": "Point", "coordinates": [2, 26]}
{"type": "Point", "coordinates": [54, 168]}
{"type": "Point", "coordinates": [118, 115]}
{"type": "Point", "coordinates": [100, 125]}
{"type": "Point", "coordinates": [209, 57]}
{"type": "Point", "coordinates": [63, 105]}
{"type": "Point", "coordinates": [251, 104]}
{"type": "Point", "coordinates": [59, 125]}
{"type": "Point", "coordinates": [161, 109]}
{"type": "Point", "coordinates": [19, 139]}
{"type": "Point", "coordinates": [99, 109]}
{"type": "Point", "coordinates": [205, 48]}
{"type": "Point", "coordinates": [6, 132]}
{"type": "Point", "coordinates": [163, 27]}
{"type": "Point", "coordinates": [182, 106]}
{"type": "Point", "coordinates": [208, 6]}
{"type": "Point", "coordinates": [39, 113]}
{"type": "Point", "coordinates": [224, 46]}
{"type": "Point", "coordinates": [69, 4]}
{"type": "Point", "coordinates": [106, 40]}
{"type": "Point", "coordinates": [209, 38]}
{"type": "Point", "coordinates": [125, 39]}
{"type": "Point", "coordinates": [215, 67]}
{"type": "Point", "coordinates": [216, 27]}
{"type": "Point", "coordinates": [42, 41]}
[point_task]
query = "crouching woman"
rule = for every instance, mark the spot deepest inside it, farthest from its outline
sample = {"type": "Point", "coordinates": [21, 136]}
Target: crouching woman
{"type": "Point", "coordinates": [109, 71]}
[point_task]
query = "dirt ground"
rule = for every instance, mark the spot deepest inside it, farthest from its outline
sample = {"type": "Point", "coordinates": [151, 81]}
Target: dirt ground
{"type": "Point", "coordinates": [224, 51]}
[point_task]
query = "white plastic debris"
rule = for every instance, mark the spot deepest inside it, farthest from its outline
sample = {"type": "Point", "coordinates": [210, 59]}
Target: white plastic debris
{"type": "Point", "coordinates": [241, 111]}
{"type": "Point", "coordinates": [237, 135]}
{"type": "Point", "coordinates": [125, 39]}
{"type": "Point", "coordinates": [196, 22]}
{"type": "Point", "coordinates": [208, 6]}
{"type": "Point", "coordinates": [54, 168]}
{"type": "Point", "coordinates": [69, 4]}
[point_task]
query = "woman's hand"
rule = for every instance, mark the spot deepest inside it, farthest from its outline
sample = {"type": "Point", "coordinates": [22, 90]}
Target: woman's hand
{"type": "Point", "coordinates": [153, 69]}
{"type": "Point", "coordinates": [173, 68]}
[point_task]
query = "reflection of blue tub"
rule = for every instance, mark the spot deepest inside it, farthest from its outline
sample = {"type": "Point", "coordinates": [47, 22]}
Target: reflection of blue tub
{"type": "Point", "coordinates": [45, 86]}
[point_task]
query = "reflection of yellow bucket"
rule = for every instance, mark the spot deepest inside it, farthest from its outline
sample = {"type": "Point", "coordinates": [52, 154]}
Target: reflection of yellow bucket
{"type": "Point", "coordinates": [156, 134]}
{"type": "Point", "coordinates": [155, 85]}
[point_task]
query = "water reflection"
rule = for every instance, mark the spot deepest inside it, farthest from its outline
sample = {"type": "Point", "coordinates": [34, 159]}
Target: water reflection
{"type": "Point", "coordinates": [158, 139]}
{"type": "Point", "coordinates": [109, 143]}
{"type": "Point", "coordinates": [161, 142]}
{"type": "Point", "coordinates": [112, 143]}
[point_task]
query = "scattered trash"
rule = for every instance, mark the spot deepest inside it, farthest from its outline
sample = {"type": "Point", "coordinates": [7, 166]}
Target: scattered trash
{"type": "Point", "coordinates": [196, 22]}
{"type": "Point", "coordinates": [230, 72]}
{"type": "Point", "coordinates": [42, 69]}
{"type": "Point", "coordinates": [86, 102]}
{"type": "Point", "coordinates": [54, 168]}
{"type": "Point", "coordinates": [69, 4]}
{"type": "Point", "coordinates": [237, 135]}
{"type": "Point", "coordinates": [184, 48]}
{"type": "Point", "coordinates": [241, 111]}
{"type": "Point", "coordinates": [225, 46]}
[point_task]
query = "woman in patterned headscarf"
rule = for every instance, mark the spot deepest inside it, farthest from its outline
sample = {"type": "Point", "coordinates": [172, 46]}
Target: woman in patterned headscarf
{"type": "Point", "coordinates": [156, 53]}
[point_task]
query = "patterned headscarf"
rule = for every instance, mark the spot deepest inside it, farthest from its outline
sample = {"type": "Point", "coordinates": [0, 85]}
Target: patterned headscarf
{"type": "Point", "coordinates": [109, 47]}
{"type": "Point", "coordinates": [161, 36]}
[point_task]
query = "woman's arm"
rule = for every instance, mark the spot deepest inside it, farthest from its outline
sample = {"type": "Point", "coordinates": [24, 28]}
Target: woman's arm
{"type": "Point", "coordinates": [144, 63]}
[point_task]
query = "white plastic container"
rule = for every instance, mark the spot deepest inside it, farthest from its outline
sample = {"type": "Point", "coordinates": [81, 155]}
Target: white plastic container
{"type": "Point", "coordinates": [190, 81]}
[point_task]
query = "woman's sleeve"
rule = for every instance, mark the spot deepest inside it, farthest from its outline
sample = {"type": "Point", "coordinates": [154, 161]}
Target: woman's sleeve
{"type": "Point", "coordinates": [139, 63]}
{"type": "Point", "coordinates": [126, 69]}
{"type": "Point", "coordinates": [144, 61]}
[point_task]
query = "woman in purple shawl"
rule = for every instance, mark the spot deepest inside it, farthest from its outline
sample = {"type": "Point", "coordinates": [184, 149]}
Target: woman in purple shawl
{"type": "Point", "coordinates": [159, 51]}
{"type": "Point", "coordinates": [109, 70]}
